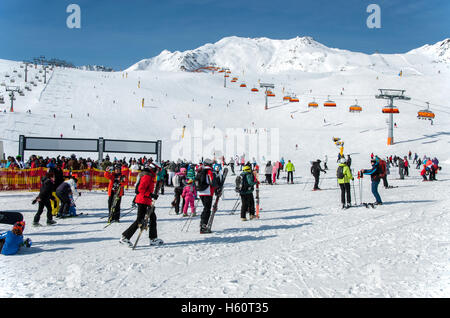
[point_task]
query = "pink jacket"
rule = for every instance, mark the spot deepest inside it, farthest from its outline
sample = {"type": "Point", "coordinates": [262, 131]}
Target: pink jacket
{"type": "Point", "coordinates": [189, 192]}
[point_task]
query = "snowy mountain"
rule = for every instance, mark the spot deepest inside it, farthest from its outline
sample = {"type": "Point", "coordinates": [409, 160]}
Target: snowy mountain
{"type": "Point", "coordinates": [263, 55]}
{"type": "Point", "coordinates": [439, 52]}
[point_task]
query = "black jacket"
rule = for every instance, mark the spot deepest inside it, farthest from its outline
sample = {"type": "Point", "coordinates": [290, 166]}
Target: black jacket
{"type": "Point", "coordinates": [46, 190]}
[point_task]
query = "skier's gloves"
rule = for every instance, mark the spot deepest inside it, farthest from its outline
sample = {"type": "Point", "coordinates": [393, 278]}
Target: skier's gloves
{"type": "Point", "coordinates": [28, 242]}
{"type": "Point", "coordinates": [154, 196]}
{"type": "Point", "coordinates": [79, 194]}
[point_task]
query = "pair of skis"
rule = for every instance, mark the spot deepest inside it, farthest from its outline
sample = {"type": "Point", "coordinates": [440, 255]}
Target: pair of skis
{"type": "Point", "coordinates": [151, 209]}
{"type": "Point", "coordinates": [216, 202]}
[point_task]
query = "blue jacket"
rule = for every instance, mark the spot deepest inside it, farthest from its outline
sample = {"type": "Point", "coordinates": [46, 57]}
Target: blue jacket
{"type": "Point", "coordinates": [12, 243]}
{"type": "Point", "coordinates": [374, 172]}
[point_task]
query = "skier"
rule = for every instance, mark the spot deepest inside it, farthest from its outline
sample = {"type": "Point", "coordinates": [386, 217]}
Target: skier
{"type": "Point", "coordinates": [344, 176]}
{"type": "Point", "coordinates": [117, 182]}
{"type": "Point", "coordinates": [374, 173]}
{"type": "Point", "coordinates": [290, 169]}
{"type": "Point", "coordinates": [268, 172]}
{"type": "Point", "coordinates": [179, 181]}
{"type": "Point", "coordinates": [280, 168]}
{"type": "Point", "coordinates": [205, 189]}
{"type": "Point", "coordinates": [44, 197]}
{"type": "Point", "coordinates": [11, 241]}
{"type": "Point", "coordinates": [189, 194]}
{"type": "Point", "coordinates": [401, 168]}
{"type": "Point", "coordinates": [406, 166]}
{"type": "Point", "coordinates": [246, 192]}
{"type": "Point", "coordinates": [275, 171]}
{"type": "Point", "coordinates": [160, 179]}
{"type": "Point", "coordinates": [64, 190]}
{"type": "Point", "coordinates": [145, 193]}
{"type": "Point", "coordinates": [424, 173]}
{"type": "Point", "coordinates": [315, 171]}
{"type": "Point", "coordinates": [383, 173]}
{"type": "Point", "coordinates": [231, 164]}
{"type": "Point", "coordinates": [349, 161]}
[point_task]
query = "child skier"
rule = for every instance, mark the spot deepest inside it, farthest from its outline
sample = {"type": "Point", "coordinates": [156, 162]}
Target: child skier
{"type": "Point", "coordinates": [11, 241]}
{"type": "Point", "coordinates": [189, 194]}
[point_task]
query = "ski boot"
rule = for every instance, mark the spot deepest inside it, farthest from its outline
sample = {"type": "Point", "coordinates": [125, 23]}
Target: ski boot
{"type": "Point", "coordinates": [156, 242]}
{"type": "Point", "coordinates": [51, 222]}
{"type": "Point", "coordinates": [125, 241]}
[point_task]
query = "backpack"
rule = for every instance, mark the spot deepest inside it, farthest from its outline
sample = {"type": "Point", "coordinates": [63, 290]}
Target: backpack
{"type": "Point", "coordinates": [201, 183]}
{"type": "Point", "coordinates": [242, 183]}
{"type": "Point", "coordinates": [176, 181]}
{"type": "Point", "coordinates": [340, 172]}
{"type": "Point", "coordinates": [216, 181]}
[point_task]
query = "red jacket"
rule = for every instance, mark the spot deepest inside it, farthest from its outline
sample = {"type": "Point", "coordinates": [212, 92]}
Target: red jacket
{"type": "Point", "coordinates": [111, 177]}
{"type": "Point", "coordinates": [146, 188]}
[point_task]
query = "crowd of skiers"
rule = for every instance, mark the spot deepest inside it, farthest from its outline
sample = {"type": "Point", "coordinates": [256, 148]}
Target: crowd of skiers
{"type": "Point", "coordinates": [191, 183]}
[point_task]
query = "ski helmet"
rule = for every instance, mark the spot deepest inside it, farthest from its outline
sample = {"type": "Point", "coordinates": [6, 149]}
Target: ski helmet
{"type": "Point", "coordinates": [19, 227]}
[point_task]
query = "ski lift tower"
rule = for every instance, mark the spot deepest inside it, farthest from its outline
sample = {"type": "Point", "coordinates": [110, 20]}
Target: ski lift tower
{"type": "Point", "coordinates": [391, 94]}
{"type": "Point", "coordinates": [12, 89]}
{"type": "Point", "coordinates": [266, 86]}
{"type": "Point", "coordinates": [26, 69]}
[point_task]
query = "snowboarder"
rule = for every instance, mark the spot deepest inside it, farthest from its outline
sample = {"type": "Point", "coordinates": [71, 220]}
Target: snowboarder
{"type": "Point", "coordinates": [145, 194]}
{"type": "Point", "coordinates": [374, 173]}
{"type": "Point", "coordinates": [344, 176]}
{"type": "Point", "coordinates": [315, 171]}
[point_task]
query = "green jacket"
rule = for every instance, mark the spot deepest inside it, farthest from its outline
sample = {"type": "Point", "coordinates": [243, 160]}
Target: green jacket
{"type": "Point", "coordinates": [250, 180]}
{"type": "Point", "coordinates": [289, 167]}
{"type": "Point", "coordinates": [161, 174]}
{"type": "Point", "coordinates": [347, 174]}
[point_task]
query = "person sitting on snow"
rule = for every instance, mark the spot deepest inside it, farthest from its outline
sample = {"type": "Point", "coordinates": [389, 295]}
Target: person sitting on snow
{"type": "Point", "coordinates": [11, 241]}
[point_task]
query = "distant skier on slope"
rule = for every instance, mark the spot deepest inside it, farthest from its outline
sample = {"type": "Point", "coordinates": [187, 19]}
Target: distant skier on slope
{"type": "Point", "coordinates": [315, 171]}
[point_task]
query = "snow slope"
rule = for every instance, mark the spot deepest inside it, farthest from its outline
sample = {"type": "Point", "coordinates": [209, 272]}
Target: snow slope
{"type": "Point", "coordinates": [303, 245]}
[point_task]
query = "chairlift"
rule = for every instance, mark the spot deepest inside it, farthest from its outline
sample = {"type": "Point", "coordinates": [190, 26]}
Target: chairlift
{"type": "Point", "coordinates": [426, 113]}
{"type": "Point", "coordinates": [270, 94]}
{"type": "Point", "coordinates": [355, 108]}
{"type": "Point", "coordinates": [329, 103]}
{"type": "Point", "coordinates": [390, 110]}
{"type": "Point", "coordinates": [313, 103]}
{"type": "Point", "coordinates": [294, 99]}
{"type": "Point", "coordinates": [243, 85]}
{"type": "Point", "coordinates": [254, 89]}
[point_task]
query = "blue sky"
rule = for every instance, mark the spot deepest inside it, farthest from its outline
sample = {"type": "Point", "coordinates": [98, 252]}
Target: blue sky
{"type": "Point", "coordinates": [119, 33]}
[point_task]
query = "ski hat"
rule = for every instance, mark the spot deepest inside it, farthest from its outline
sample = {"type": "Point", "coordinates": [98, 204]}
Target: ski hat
{"type": "Point", "coordinates": [19, 227]}
{"type": "Point", "coordinates": [208, 162]}
{"type": "Point", "coordinates": [183, 170]}
{"type": "Point", "coordinates": [247, 169]}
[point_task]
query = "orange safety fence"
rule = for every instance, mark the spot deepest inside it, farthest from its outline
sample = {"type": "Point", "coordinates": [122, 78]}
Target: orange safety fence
{"type": "Point", "coordinates": [30, 179]}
